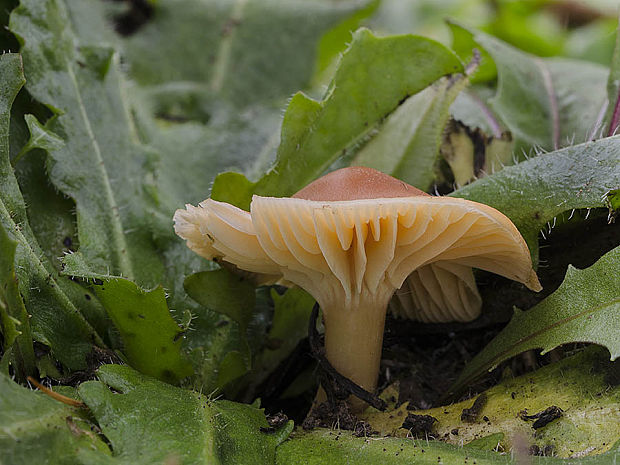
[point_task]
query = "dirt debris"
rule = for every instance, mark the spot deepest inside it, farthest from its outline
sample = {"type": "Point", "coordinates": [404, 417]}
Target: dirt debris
{"type": "Point", "coordinates": [419, 425]}
{"type": "Point", "coordinates": [471, 414]}
{"type": "Point", "coordinates": [327, 415]}
{"type": "Point", "coordinates": [544, 417]}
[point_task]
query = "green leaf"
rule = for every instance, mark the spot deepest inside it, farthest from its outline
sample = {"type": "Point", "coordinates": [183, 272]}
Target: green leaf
{"type": "Point", "coordinates": [227, 45]}
{"type": "Point", "coordinates": [50, 213]}
{"type": "Point", "coordinates": [470, 107]}
{"type": "Point", "coordinates": [151, 338]}
{"type": "Point", "coordinates": [527, 26]}
{"type": "Point", "coordinates": [582, 386]}
{"type": "Point", "coordinates": [40, 138]}
{"type": "Point", "coordinates": [56, 320]}
{"type": "Point", "coordinates": [373, 77]}
{"type": "Point", "coordinates": [147, 421]}
{"type": "Point", "coordinates": [210, 341]}
{"type": "Point", "coordinates": [585, 308]}
{"type": "Point", "coordinates": [463, 44]}
{"type": "Point", "coordinates": [235, 188]}
{"type": "Point", "coordinates": [101, 165]}
{"type": "Point", "coordinates": [612, 198]}
{"type": "Point", "coordinates": [321, 447]}
{"type": "Point", "coordinates": [593, 41]}
{"type": "Point", "coordinates": [548, 103]}
{"type": "Point", "coordinates": [13, 315]}
{"type": "Point", "coordinates": [37, 429]}
{"type": "Point", "coordinates": [408, 142]}
{"type": "Point", "coordinates": [52, 221]}
{"type": "Point", "coordinates": [223, 292]}
{"type": "Point", "coordinates": [490, 442]}
{"type": "Point", "coordinates": [232, 296]}
{"type": "Point", "coordinates": [612, 116]}
{"type": "Point", "coordinates": [194, 153]}
{"type": "Point", "coordinates": [289, 325]}
{"type": "Point", "coordinates": [335, 40]}
{"type": "Point", "coordinates": [233, 366]}
{"type": "Point", "coordinates": [537, 190]}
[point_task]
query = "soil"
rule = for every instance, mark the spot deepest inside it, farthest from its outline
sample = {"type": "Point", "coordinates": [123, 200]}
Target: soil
{"type": "Point", "coordinates": [329, 415]}
{"type": "Point", "coordinates": [419, 425]}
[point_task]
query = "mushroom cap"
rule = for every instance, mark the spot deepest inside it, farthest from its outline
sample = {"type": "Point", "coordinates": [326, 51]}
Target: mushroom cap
{"type": "Point", "coordinates": [357, 183]}
{"type": "Point", "coordinates": [363, 247]}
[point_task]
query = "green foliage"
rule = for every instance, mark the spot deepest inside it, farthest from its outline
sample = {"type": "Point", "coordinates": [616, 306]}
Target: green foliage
{"type": "Point", "coordinates": [13, 315]}
{"type": "Point", "coordinates": [463, 43]}
{"type": "Point", "coordinates": [613, 90]}
{"type": "Point", "coordinates": [55, 321]}
{"type": "Point", "coordinates": [534, 192]}
{"type": "Point", "coordinates": [407, 144]}
{"type": "Point", "coordinates": [321, 447]}
{"type": "Point", "coordinates": [100, 164]}
{"type": "Point", "coordinates": [548, 103]}
{"type": "Point", "coordinates": [368, 85]}
{"type": "Point", "coordinates": [289, 325]}
{"type": "Point", "coordinates": [227, 45]}
{"type": "Point", "coordinates": [151, 338]}
{"type": "Point", "coordinates": [234, 297]}
{"type": "Point", "coordinates": [147, 421]}
{"type": "Point", "coordinates": [223, 292]}
{"type": "Point", "coordinates": [582, 309]}
{"type": "Point", "coordinates": [37, 429]}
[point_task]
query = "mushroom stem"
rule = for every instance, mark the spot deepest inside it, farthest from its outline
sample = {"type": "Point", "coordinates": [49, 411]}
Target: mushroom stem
{"type": "Point", "coordinates": [353, 341]}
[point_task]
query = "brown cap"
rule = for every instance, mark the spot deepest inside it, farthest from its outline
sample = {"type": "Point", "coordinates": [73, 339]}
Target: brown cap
{"type": "Point", "coordinates": [357, 183]}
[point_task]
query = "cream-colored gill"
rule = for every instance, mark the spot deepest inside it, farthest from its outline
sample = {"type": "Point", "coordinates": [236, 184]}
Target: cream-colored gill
{"type": "Point", "coordinates": [437, 293]}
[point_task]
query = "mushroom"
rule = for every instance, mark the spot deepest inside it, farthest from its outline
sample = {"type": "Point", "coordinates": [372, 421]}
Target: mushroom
{"type": "Point", "coordinates": [351, 239]}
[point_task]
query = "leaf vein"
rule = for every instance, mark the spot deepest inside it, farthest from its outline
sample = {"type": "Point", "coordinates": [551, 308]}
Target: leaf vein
{"type": "Point", "coordinates": [118, 236]}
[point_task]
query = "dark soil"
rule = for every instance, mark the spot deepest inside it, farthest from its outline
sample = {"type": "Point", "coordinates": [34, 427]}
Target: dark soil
{"type": "Point", "coordinates": [329, 415]}
{"type": "Point", "coordinates": [419, 425]}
